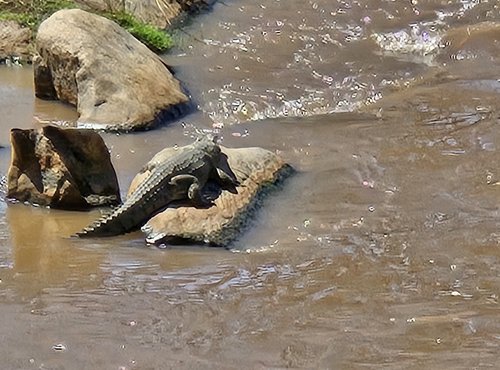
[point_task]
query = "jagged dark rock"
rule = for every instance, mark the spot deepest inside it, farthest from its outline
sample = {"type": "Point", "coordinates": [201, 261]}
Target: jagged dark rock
{"type": "Point", "coordinates": [61, 168]}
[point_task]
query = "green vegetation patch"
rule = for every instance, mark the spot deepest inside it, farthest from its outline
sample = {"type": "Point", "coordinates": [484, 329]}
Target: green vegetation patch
{"type": "Point", "coordinates": [155, 38]}
{"type": "Point", "coordinates": [22, 19]}
{"type": "Point", "coordinates": [30, 13]}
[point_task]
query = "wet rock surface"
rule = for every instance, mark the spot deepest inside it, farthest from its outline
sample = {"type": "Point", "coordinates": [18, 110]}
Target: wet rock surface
{"type": "Point", "coordinates": [256, 170]}
{"type": "Point", "coordinates": [61, 168]}
{"type": "Point", "coordinates": [14, 41]}
{"type": "Point", "coordinates": [114, 80]}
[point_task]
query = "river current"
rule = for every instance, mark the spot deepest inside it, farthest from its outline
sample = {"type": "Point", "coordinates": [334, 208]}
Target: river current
{"type": "Point", "coordinates": [383, 251]}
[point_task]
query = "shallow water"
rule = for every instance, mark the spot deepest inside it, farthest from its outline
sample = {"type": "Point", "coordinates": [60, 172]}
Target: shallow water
{"type": "Point", "coordinates": [382, 252]}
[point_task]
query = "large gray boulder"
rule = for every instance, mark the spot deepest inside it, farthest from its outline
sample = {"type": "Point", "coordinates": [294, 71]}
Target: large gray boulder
{"type": "Point", "coordinates": [256, 169]}
{"type": "Point", "coordinates": [114, 80]}
{"type": "Point", "coordinates": [61, 168]}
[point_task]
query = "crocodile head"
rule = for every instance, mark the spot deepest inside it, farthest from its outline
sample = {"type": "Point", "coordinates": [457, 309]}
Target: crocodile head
{"type": "Point", "coordinates": [210, 147]}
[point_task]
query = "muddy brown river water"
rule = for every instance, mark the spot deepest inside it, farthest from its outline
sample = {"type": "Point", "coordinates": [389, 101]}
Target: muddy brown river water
{"type": "Point", "coordinates": [383, 251]}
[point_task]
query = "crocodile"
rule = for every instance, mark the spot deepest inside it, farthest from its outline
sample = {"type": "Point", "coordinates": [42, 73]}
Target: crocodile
{"type": "Point", "coordinates": [179, 177]}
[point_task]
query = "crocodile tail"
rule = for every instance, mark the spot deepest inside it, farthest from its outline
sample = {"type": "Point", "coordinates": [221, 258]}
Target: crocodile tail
{"type": "Point", "coordinates": [97, 229]}
{"type": "Point", "coordinates": [108, 225]}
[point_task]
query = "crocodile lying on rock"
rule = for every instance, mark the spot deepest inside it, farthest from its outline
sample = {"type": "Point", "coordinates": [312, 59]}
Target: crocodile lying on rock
{"type": "Point", "coordinates": [179, 177]}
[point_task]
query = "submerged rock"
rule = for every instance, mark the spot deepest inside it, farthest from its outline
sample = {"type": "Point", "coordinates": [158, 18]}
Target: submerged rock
{"type": "Point", "coordinates": [256, 170]}
{"type": "Point", "coordinates": [114, 80]}
{"type": "Point", "coordinates": [61, 168]}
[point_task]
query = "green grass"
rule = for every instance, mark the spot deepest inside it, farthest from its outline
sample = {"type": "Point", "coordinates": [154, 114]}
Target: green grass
{"type": "Point", "coordinates": [151, 36]}
{"type": "Point", "coordinates": [23, 19]}
{"type": "Point", "coordinates": [30, 13]}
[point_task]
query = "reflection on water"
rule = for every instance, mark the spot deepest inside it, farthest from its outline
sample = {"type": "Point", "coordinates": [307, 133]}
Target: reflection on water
{"type": "Point", "coordinates": [382, 252]}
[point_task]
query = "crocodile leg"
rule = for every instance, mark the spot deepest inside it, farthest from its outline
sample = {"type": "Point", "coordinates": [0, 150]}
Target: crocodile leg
{"type": "Point", "coordinates": [194, 189]}
{"type": "Point", "coordinates": [183, 181]}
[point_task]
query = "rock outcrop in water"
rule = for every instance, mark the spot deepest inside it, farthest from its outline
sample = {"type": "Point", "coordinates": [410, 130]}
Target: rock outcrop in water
{"type": "Point", "coordinates": [160, 13]}
{"type": "Point", "coordinates": [61, 168]}
{"type": "Point", "coordinates": [114, 80]}
{"type": "Point", "coordinates": [14, 41]}
{"type": "Point", "coordinates": [256, 170]}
